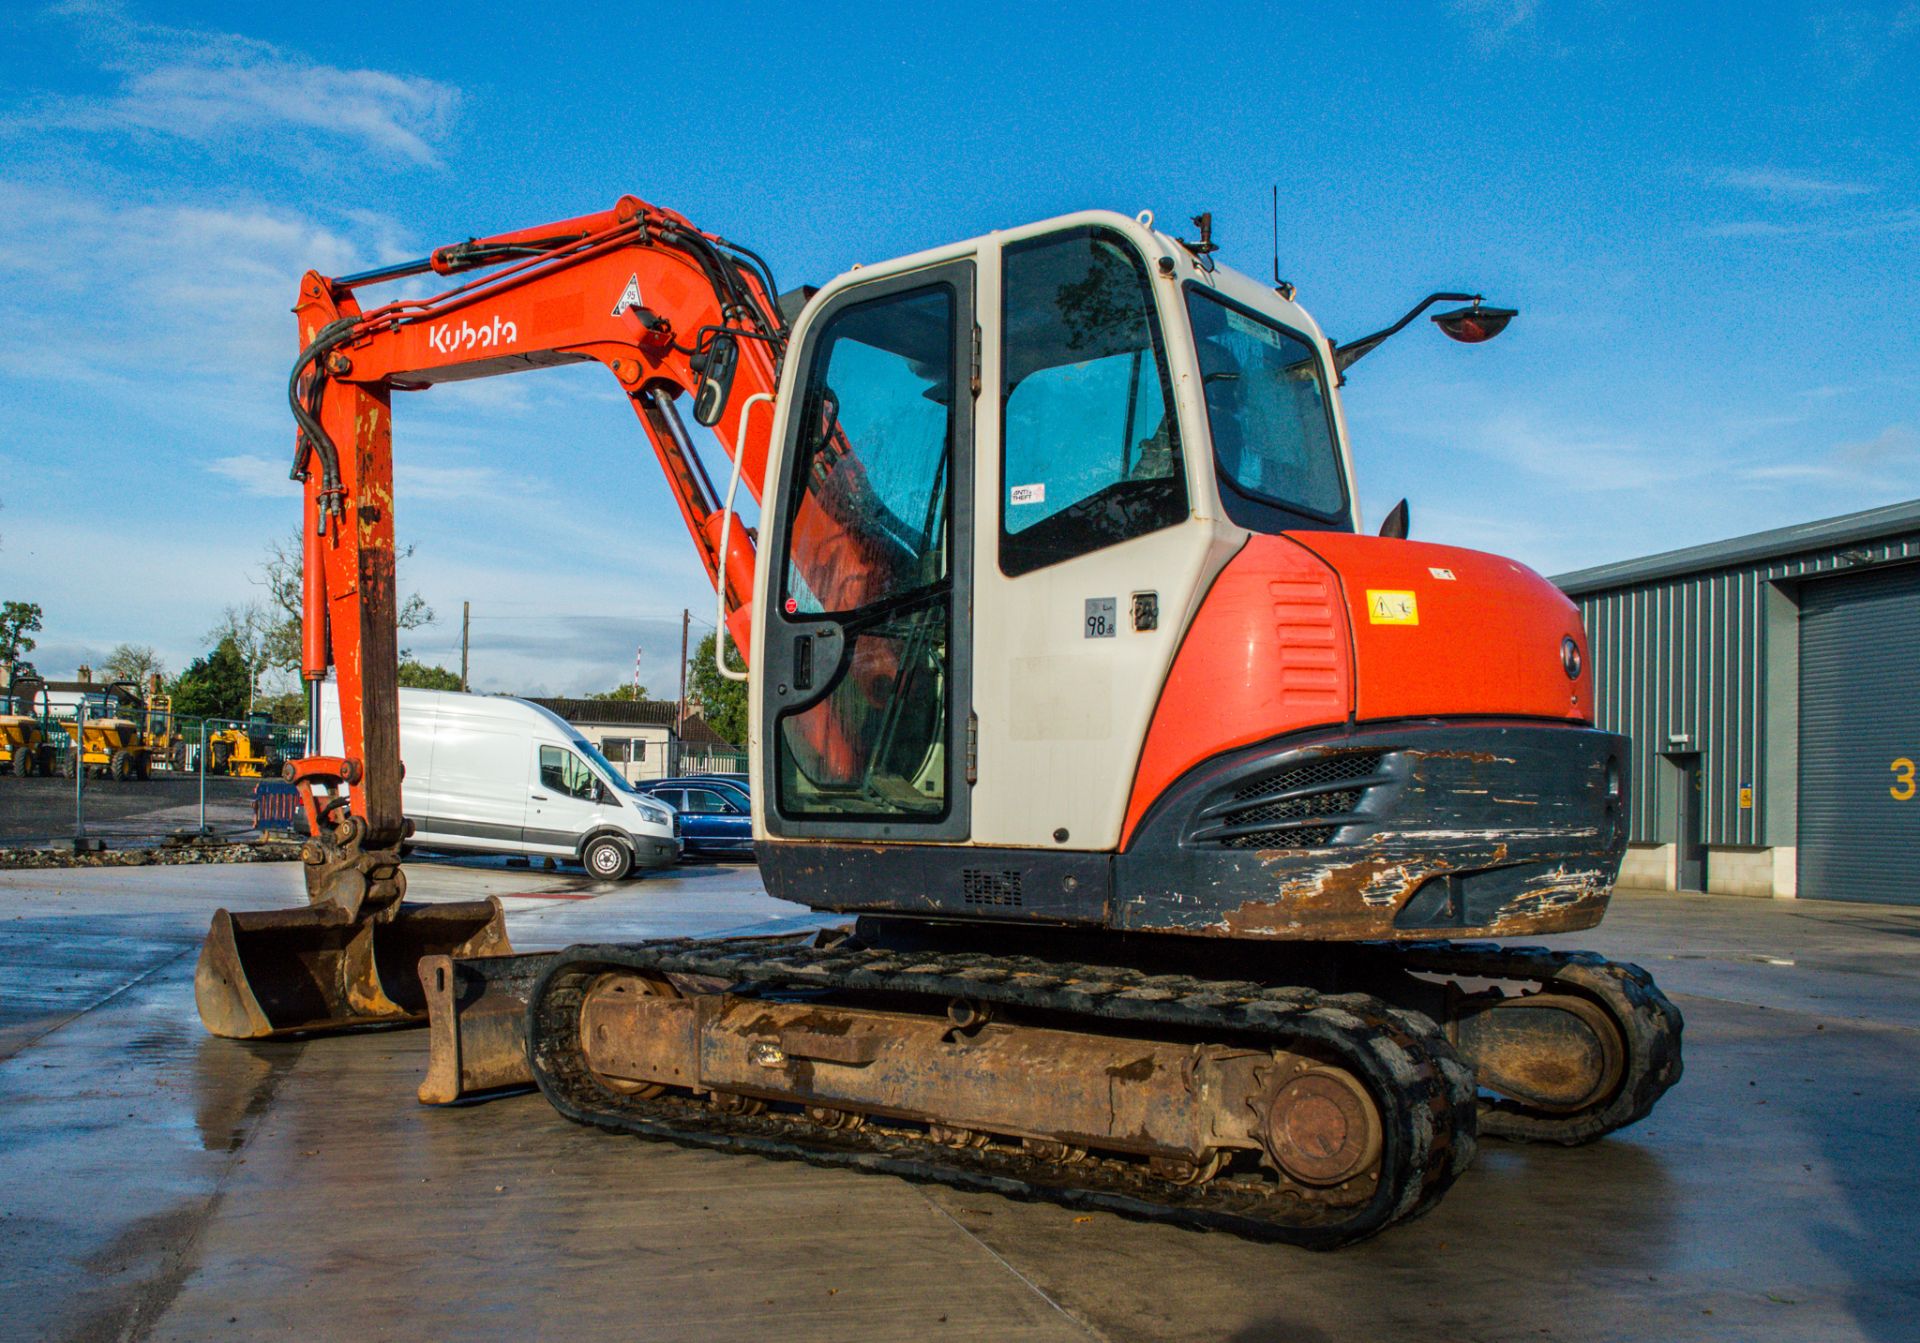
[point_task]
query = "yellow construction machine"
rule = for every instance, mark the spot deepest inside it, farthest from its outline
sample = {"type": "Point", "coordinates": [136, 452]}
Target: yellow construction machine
{"type": "Point", "coordinates": [245, 750]}
{"type": "Point", "coordinates": [23, 737]}
{"type": "Point", "coordinates": [110, 740]}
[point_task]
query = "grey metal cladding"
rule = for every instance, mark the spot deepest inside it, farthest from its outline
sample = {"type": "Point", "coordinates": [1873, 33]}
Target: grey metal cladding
{"type": "Point", "coordinates": [1680, 650]}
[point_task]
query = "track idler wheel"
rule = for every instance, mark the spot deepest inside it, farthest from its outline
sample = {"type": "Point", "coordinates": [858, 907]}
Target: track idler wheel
{"type": "Point", "coordinates": [1317, 1126]}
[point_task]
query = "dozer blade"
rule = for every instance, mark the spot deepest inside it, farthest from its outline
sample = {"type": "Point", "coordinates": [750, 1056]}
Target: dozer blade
{"type": "Point", "coordinates": [292, 971]}
{"type": "Point", "coordinates": [477, 1023]}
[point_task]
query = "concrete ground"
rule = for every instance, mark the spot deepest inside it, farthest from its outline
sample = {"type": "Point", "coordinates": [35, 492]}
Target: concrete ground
{"type": "Point", "coordinates": [159, 1184]}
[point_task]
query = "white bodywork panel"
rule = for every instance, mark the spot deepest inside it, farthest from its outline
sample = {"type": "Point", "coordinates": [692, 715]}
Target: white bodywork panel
{"type": "Point", "coordinates": [1062, 718]}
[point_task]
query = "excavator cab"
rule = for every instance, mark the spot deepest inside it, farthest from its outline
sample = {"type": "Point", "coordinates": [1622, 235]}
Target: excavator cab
{"type": "Point", "coordinates": [1066, 592]}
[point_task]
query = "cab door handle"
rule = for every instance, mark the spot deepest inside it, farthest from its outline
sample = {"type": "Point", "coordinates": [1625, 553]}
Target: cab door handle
{"type": "Point", "coordinates": [539, 797]}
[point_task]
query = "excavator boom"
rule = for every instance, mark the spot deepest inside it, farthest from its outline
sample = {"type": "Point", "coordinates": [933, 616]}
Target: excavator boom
{"type": "Point", "coordinates": [668, 310]}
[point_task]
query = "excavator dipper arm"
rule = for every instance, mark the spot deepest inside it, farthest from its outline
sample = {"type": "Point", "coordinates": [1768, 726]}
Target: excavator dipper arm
{"type": "Point", "coordinates": [668, 310]}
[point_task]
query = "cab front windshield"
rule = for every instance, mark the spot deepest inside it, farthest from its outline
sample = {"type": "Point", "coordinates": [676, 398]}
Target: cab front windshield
{"type": "Point", "coordinates": [1271, 424]}
{"type": "Point", "coordinates": [603, 766]}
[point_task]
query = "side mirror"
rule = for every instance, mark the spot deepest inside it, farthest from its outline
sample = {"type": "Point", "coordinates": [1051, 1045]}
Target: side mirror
{"type": "Point", "coordinates": [715, 368]}
{"type": "Point", "coordinates": [1398, 519]}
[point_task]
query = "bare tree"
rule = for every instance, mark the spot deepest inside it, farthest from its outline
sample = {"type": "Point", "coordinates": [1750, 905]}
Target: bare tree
{"type": "Point", "coordinates": [280, 574]}
{"type": "Point", "coordinates": [133, 662]}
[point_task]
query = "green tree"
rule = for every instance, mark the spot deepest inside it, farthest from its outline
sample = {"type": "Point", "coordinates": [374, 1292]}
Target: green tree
{"type": "Point", "coordinates": [424, 676]}
{"type": "Point", "coordinates": [723, 702]}
{"type": "Point", "coordinates": [288, 707]}
{"type": "Point", "coordinates": [621, 692]}
{"type": "Point", "coordinates": [18, 621]}
{"type": "Point", "coordinates": [217, 685]}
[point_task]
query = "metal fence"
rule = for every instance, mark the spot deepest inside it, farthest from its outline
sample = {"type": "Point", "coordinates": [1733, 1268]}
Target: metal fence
{"type": "Point", "coordinates": [181, 779]}
{"type": "Point", "coordinates": [712, 760]}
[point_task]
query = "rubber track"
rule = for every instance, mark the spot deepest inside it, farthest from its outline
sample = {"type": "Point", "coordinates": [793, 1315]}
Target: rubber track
{"type": "Point", "coordinates": [1648, 1020]}
{"type": "Point", "coordinates": [1402, 1056]}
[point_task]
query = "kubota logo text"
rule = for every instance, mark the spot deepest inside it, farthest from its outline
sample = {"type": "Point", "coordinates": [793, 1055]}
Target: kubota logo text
{"type": "Point", "coordinates": [446, 338]}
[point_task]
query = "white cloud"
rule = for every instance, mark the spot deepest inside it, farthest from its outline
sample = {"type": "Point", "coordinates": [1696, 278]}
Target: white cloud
{"type": "Point", "coordinates": [1784, 182]}
{"type": "Point", "coordinates": [1890, 458]}
{"type": "Point", "coordinates": [1750, 228]}
{"type": "Point", "coordinates": [255, 475]}
{"type": "Point", "coordinates": [1490, 23]}
{"type": "Point", "coordinates": [210, 87]}
{"type": "Point", "coordinates": [104, 292]}
{"type": "Point", "coordinates": [421, 481]}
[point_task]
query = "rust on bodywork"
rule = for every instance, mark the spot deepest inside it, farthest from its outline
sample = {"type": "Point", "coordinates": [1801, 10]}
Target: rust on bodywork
{"type": "Point", "coordinates": [1428, 832]}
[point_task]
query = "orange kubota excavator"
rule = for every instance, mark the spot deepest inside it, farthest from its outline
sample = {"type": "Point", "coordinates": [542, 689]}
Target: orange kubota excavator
{"type": "Point", "coordinates": [1163, 793]}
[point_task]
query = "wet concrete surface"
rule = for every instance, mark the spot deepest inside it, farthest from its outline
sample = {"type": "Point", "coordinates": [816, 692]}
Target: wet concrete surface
{"type": "Point", "coordinates": [158, 1184]}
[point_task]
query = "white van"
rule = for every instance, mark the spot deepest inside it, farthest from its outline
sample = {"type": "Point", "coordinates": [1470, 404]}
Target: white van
{"type": "Point", "coordinates": [489, 774]}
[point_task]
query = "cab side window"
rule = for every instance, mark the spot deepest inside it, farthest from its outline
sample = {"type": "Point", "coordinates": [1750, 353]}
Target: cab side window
{"type": "Point", "coordinates": [1090, 445]}
{"type": "Point", "coordinates": [564, 772]}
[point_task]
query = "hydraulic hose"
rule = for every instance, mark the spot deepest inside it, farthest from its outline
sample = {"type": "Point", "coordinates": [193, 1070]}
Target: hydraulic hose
{"type": "Point", "coordinates": [312, 438]}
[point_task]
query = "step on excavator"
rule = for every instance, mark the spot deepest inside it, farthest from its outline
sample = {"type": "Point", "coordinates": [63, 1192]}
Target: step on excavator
{"type": "Point", "coordinates": [1172, 810]}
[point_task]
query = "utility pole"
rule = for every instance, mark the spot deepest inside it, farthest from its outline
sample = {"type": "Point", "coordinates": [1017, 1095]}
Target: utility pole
{"type": "Point", "coordinates": [680, 726]}
{"type": "Point", "coordinates": [466, 622]}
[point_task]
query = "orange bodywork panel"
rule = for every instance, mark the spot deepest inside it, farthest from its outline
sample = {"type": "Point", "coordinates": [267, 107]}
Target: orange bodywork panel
{"type": "Point", "coordinates": [1315, 629]}
{"type": "Point", "coordinates": [1268, 652]}
{"type": "Point", "coordinates": [1443, 632]}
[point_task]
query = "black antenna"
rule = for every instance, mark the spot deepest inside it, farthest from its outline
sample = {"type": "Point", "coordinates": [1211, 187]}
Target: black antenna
{"type": "Point", "coordinates": [1280, 286]}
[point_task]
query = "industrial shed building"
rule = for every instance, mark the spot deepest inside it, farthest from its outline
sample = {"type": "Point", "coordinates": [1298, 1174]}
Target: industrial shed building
{"type": "Point", "coordinates": [1771, 685]}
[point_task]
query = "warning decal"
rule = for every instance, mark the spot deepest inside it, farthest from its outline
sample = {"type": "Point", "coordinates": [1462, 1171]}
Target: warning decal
{"type": "Point", "coordinates": [630, 296]}
{"type": "Point", "coordinates": [1392, 608]}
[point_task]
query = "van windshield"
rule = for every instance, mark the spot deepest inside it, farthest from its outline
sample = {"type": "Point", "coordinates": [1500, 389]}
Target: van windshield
{"type": "Point", "coordinates": [603, 766]}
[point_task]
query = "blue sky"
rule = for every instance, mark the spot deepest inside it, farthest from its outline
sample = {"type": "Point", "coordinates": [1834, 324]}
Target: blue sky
{"type": "Point", "coordinates": [1709, 216]}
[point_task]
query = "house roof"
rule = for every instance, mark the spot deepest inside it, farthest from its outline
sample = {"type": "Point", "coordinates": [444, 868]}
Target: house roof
{"type": "Point", "coordinates": [699, 732]}
{"type": "Point", "coordinates": [1873, 524]}
{"type": "Point", "coordinates": [612, 712]}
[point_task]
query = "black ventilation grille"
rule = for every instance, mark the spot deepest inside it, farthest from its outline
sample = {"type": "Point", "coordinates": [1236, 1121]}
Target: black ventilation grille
{"type": "Point", "coordinates": [993, 887]}
{"type": "Point", "coordinates": [1298, 808]}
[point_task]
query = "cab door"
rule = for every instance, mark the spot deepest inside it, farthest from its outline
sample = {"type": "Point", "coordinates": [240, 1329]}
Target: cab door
{"type": "Point", "coordinates": [562, 802]}
{"type": "Point", "coordinates": [864, 665]}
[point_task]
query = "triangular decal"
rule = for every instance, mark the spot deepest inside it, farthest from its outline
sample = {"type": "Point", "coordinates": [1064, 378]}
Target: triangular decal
{"type": "Point", "coordinates": [630, 296]}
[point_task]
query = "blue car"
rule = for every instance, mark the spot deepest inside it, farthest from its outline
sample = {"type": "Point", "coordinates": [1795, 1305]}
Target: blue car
{"type": "Point", "coordinates": [716, 814]}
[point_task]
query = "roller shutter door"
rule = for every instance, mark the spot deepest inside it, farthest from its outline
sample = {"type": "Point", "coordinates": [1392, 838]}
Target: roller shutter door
{"type": "Point", "coordinates": [1860, 737]}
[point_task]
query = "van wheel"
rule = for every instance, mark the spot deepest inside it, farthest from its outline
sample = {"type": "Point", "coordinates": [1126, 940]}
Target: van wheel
{"type": "Point", "coordinates": [607, 858]}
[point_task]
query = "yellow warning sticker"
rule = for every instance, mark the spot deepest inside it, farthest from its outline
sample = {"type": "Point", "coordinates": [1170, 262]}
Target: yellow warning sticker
{"type": "Point", "coordinates": [1392, 608]}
